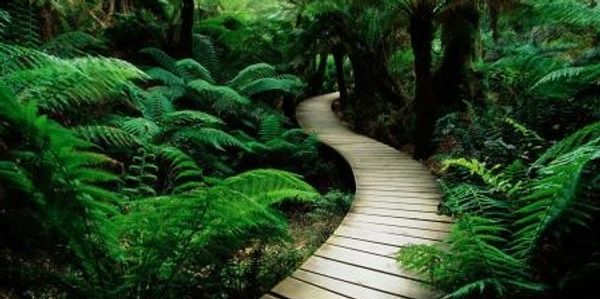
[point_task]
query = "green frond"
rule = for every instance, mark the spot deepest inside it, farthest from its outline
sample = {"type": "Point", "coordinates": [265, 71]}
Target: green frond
{"type": "Point", "coordinates": [284, 85]}
{"type": "Point", "coordinates": [566, 81]}
{"type": "Point", "coordinates": [572, 142]}
{"type": "Point", "coordinates": [267, 186]}
{"type": "Point", "coordinates": [497, 181]}
{"type": "Point", "coordinates": [164, 76]}
{"type": "Point", "coordinates": [141, 128]}
{"type": "Point", "coordinates": [468, 199]}
{"type": "Point", "coordinates": [163, 59]}
{"type": "Point", "coordinates": [553, 199]}
{"type": "Point", "coordinates": [222, 98]}
{"type": "Point", "coordinates": [72, 44]}
{"type": "Point", "coordinates": [271, 127]}
{"type": "Point", "coordinates": [474, 257]}
{"type": "Point", "coordinates": [251, 74]}
{"type": "Point", "coordinates": [204, 53]}
{"type": "Point", "coordinates": [570, 12]}
{"type": "Point", "coordinates": [108, 137]}
{"type": "Point", "coordinates": [184, 175]}
{"type": "Point", "coordinates": [191, 118]}
{"type": "Point", "coordinates": [59, 85]}
{"type": "Point", "coordinates": [15, 58]}
{"type": "Point", "coordinates": [191, 70]}
{"type": "Point", "coordinates": [211, 137]}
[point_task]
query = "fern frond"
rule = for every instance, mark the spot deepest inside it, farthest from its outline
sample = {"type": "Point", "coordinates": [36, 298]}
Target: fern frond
{"type": "Point", "coordinates": [251, 74]}
{"type": "Point", "coordinates": [570, 143]}
{"type": "Point", "coordinates": [72, 44]}
{"type": "Point", "coordinates": [553, 199]}
{"type": "Point", "coordinates": [283, 86]}
{"type": "Point", "coordinates": [271, 127]}
{"type": "Point", "coordinates": [204, 53]}
{"type": "Point", "coordinates": [163, 59]}
{"type": "Point", "coordinates": [142, 128]}
{"type": "Point", "coordinates": [184, 175]}
{"type": "Point", "coordinates": [59, 85]}
{"type": "Point", "coordinates": [164, 76]}
{"type": "Point", "coordinates": [109, 137]}
{"type": "Point", "coordinates": [498, 181]}
{"type": "Point", "coordinates": [222, 98]}
{"type": "Point", "coordinates": [191, 118]}
{"type": "Point", "coordinates": [191, 70]}
{"type": "Point", "coordinates": [268, 186]}
{"type": "Point", "coordinates": [211, 137]}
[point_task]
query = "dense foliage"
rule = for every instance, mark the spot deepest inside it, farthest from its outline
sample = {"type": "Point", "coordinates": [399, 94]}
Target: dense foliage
{"type": "Point", "coordinates": [139, 140]}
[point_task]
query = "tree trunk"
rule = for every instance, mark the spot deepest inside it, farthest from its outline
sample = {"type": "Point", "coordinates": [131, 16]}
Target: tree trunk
{"type": "Point", "coordinates": [316, 80]}
{"type": "Point", "coordinates": [460, 28]}
{"type": "Point", "coordinates": [48, 26]}
{"type": "Point", "coordinates": [338, 56]}
{"type": "Point", "coordinates": [422, 33]}
{"type": "Point", "coordinates": [186, 38]}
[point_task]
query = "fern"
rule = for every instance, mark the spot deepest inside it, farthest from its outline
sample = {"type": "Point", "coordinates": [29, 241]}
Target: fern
{"type": "Point", "coordinates": [222, 98]}
{"type": "Point", "coordinates": [184, 118]}
{"type": "Point", "coordinates": [251, 74]}
{"type": "Point", "coordinates": [183, 174]}
{"type": "Point", "coordinates": [474, 265]}
{"type": "Point", "coordinates": [270, 186]}
{"type": "Point", "coordinates": [64, 182]}
{"type": "Point", "coordinates": [204, 53]}
{"type": "Point", "coordinates": [284, 85]}
{"type": "Point", "coordinates": [211, 137]}
{"type": "Point", "coordinates": [553, 199]}
{"type": "Point", "coordinates": [572, 142]}
{"type": "Point", "coordinates": [192, 70]}
{"type": "Point", "coordinates": [72, 44]}
{"type": "Point", "coordinates": [163, 59]}
{"type": "Point", "coordinates": [58, 85]}
{"type": "Point", "coordinates": [109, 137]}
{"type": "Point", "coordinates": [497, 181]}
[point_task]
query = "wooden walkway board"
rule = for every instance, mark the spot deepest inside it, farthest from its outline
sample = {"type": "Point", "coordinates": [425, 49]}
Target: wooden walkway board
{"type": "Point", "coordinates": [395, 205]}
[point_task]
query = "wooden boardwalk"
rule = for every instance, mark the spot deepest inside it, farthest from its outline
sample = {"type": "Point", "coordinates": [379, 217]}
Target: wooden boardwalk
{"type": "Point", "coordinates": [395, 205]}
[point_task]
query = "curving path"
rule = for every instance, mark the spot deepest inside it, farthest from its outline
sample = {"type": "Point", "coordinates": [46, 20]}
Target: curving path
{"type": "Point", "coordinates": [395, 205]}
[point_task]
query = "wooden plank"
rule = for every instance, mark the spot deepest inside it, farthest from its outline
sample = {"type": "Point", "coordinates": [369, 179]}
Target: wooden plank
{"type": "Point", "coordinates": [342, 287]}
{"type": "Point", "coordinates": [370, 278]}
{"type": "Point", "coordinates": [397, 206]}
{"type": "Point", "coordinates": [398, 230]}
{"type": "Point", "coordinates": [402, 222]}
{"type": "Point", "coordinates": [293, 288]}
{"type": "Point", "coordinates": [379, 237]}
{"type": "Point", "coordinates": [363, 260]}
{"type": "Point", "coordinates": [365, 246]}
{"type": "Point", "coordinates": [429, 216]}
